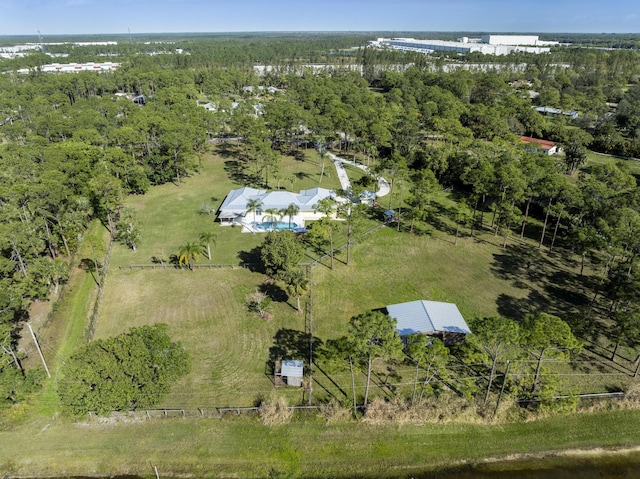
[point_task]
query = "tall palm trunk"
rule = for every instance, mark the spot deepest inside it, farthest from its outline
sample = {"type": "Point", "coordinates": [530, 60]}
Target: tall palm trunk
{"type": "Point", "coordinates": [544, 226]}
{"type": "Point", "coordinates": [526, 216]}
{"type": "Point", "coordinates": [21, 263]}
{"type": "Point", "coordinates": [177, 168]}
{"type": "Point", "coordinates": [473, 218]}
{"type": "Point", "coordinates": [331, 244]}
{"type": "Point", "coordinates": [349, 242]}
{"type": "Point", "coordinates": [555, 230]}
{"type": "Point", "coordinates": [415, 384]}
{"type": "Point", "coordinates": [400, 207]}
{"type": "Point", "coordinates": [63, 237]}
{"type": "Point", "coordinates": [353, 386]}
{"type": "Point", "coordinates": [366, 388]}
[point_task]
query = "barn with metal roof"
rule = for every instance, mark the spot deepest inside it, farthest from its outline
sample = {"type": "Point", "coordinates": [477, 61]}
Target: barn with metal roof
{"type": "Point", "coordinates": [433, 318]}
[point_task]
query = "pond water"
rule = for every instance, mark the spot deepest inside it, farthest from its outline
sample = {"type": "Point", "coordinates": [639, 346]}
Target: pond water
{"type": "Point", "coordinates": [557, 467]}
{"type": "Point", "coordinates": [626, 471]}
{"type": "Point", "coordinates": [605, 467]}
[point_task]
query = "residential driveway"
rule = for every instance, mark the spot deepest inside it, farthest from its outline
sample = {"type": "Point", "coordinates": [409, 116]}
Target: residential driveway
{"type": "Point", "coordinates": [383, 185]}
{"type": "Point", "coordinates": [342, 174]}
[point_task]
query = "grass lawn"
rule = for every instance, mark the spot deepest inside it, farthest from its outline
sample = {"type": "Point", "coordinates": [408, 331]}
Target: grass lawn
{"type": "Point", "coordinates": [600, 159]}
{"type": "Point", "coordinates": [242, 447]}
{"type": "Point", "coordinates": [206, 310]}
{"type": "Point", "coordinates": [230, 347]}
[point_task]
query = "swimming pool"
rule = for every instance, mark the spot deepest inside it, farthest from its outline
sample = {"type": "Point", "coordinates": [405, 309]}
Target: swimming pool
{"type": "Point", "coordinates": [270, 225]}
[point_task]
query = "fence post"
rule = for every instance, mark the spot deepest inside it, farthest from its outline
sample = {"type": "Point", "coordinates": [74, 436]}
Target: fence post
{"type": "Point", "coordinates": [504, 382]}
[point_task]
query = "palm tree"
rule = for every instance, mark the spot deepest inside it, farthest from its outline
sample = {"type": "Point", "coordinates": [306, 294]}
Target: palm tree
{"type": "Point", "coordinates": [282, 212]}
{"type": "Point", "coordinates": [272, 214]}
{"type": "Point", "coordinates": [254, 205]}
{"type": "Point", "coordinates": [290, 179]}
{"type": "Point", "coordinates": [291, 211]}
{"type": "Point", "coordinates": [297, 284]}
{"type": "Point", "coordinates": [322, 153]}
{"type": "Point", "coordinates": [207, 239]}
{"type": "Point", "coordinates": [188, 254]}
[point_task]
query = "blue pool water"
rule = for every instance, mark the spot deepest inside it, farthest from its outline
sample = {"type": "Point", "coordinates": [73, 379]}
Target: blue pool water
{"type": "Point", "coordinates": [270, 225]}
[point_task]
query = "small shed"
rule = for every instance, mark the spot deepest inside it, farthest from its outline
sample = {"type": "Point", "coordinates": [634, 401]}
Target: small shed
{"type": "Point", "coordinates": [433, 318]}
{"type": "Point", "coordinates": [292, 371]}
{"type": "Point", "coordinates": [389, 216]}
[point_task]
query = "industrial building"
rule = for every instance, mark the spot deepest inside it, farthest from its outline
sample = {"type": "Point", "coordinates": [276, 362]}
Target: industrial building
{"type": "Point", "coordinates": [73, 67]}
{"type": "Point", "coordinates": [487, 44]}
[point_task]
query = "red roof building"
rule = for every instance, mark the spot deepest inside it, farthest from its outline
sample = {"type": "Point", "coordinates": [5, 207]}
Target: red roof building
{"type": "Point", "coordinates": [537, 145]}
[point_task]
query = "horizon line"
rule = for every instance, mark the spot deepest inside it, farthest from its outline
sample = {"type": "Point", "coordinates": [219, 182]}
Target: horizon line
{"type": "Point", "coordinates": [317, 32]}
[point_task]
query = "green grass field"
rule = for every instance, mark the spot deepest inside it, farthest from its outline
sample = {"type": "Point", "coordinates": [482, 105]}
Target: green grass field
{"type": "Point", "coordinates": [242, 447]}
{"type": "Point", "coordinates": [206, 310]}
{"type": "Point", "coordinates": [230, 347]}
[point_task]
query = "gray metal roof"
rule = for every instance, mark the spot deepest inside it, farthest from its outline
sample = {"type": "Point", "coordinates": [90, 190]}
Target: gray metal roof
{"type": "Point", "coordinates": [292, 368]}
{"type": "Point", "coordinates": [236, 200]}
{"type": "Point", "coordinates": [427, 317]}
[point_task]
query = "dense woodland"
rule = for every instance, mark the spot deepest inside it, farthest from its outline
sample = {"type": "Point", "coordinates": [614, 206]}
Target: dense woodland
{"type": "Point", "coordinates": [72, 146]}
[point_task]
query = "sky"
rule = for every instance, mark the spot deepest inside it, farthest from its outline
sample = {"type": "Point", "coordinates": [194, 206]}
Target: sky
{"type": "Point", "coordinates": [27, 17]}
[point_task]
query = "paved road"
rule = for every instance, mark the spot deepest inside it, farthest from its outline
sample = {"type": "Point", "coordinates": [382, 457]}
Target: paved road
{"type": "Point", "coordinates": [383, 185]}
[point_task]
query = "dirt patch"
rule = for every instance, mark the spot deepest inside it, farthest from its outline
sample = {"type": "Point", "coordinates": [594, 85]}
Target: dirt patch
{"type": "Point", "coordinates": [575, 453]}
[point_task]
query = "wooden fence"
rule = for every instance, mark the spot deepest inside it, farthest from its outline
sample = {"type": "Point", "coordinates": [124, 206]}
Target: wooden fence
{"type": "Point", "coordinates": [224, 411]}
{"type": "Point", "coordinates": [201, 412]}
{"type": "Point", "coordinates": [171, 266]}
{"type": "Point", "coordinates": [103, 277]}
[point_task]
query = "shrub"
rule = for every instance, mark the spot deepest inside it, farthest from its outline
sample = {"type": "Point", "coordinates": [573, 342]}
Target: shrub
{"type": "Point", "coordinates": [134, 370]}
{"type": "Point", "coordinates": [442, 409]}
{"type": "Point", "coordinates": [334, 412]}
{"type": "Point", "coordinates": [274, 411]}
{"type": "Point", "coordinates": [280, 252]}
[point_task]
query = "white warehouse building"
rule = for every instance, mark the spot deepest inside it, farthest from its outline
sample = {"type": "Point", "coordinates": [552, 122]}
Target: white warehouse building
{"type": "Point", "coordinates": [488, 44]}
{"type": "Point", "coordinates": [529, 40]}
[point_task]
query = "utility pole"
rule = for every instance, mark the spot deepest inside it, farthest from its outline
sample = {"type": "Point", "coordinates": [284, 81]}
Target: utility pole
{"type": "Point", "coordinates": [310, 306]}
{"type": "Point", "coordinates": [35, 340]}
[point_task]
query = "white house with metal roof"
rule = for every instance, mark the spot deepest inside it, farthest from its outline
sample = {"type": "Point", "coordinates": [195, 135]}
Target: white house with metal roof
{"type": "Point", "coordinates": [433, 318]}
{"type": "Point", "coordinates": [550, 111]}
{"type": "Point", "coordinates": [234, 209]}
